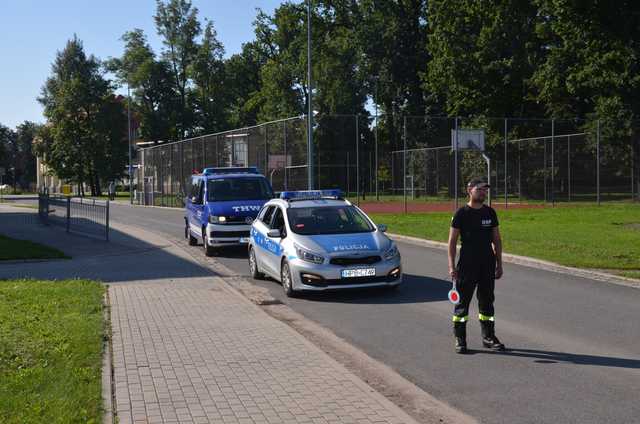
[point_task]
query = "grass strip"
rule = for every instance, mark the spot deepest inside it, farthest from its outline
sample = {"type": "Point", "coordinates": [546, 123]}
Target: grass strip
{"type": "Point", "coordinates": [50, 351]}
{"type": "Point", "coordinates": [14, 249]}
{"type": "Point", "coordinates": [605, 237]}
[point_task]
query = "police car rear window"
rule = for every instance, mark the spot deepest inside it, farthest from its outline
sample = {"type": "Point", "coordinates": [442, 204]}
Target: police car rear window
{"type": "Point", "coordinates": [328, 220]}
{"type": "Point", "coordinates": [223, 189]}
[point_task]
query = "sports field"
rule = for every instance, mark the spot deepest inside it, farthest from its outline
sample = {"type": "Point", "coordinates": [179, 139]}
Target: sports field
{"type": "Point", "coordinates": [584, 235]}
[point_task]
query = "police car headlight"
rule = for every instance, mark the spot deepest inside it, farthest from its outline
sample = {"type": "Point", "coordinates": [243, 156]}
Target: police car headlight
{"type": "Point", "coordinates": [213, 219]}
{"type": "Point", "coordinates": [391, 253]}
{"type": "Point", "coordinates": [308, 256]}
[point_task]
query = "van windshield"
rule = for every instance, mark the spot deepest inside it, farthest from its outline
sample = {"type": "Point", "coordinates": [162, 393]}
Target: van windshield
{"type": "Point", "coordinates": [223, 189]}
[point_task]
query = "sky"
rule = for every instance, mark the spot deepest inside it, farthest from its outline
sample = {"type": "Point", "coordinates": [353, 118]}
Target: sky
{"type": "Point", "coordinates": [32, 31]}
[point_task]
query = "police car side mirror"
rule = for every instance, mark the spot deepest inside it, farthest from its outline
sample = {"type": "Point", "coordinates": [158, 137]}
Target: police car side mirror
{"type": "Point", "coordinates": [382, 228]}
{"type": "Point", "coordinates": [195, 200]}
{"type": "Point", "coordinates": [273, 234]}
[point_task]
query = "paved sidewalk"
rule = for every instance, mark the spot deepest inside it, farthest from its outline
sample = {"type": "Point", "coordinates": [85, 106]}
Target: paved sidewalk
{"type": "Point", "coordinates": [188, 349]}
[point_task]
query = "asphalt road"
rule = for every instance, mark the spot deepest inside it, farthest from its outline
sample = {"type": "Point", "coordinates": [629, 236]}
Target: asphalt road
{"type": "Point", "coordinates": [574, 343]}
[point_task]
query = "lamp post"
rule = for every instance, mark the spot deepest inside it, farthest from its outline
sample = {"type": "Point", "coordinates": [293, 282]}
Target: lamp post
{"type": "Point", "coordinates": [310, 103]}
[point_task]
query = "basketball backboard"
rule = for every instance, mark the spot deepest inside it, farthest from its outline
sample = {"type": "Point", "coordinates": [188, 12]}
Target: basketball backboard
{"type": "Point", "coordinates": [468, 139]}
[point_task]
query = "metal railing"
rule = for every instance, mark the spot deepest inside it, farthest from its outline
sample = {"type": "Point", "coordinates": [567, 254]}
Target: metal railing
{"type": "Point", "coordinates": [77, 215]}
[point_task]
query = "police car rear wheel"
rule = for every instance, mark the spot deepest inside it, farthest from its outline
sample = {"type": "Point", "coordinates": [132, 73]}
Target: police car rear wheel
{"type": "Point", "coordinates": [285, 277]}
{"type": "Point", "coordinates": [253, 266]}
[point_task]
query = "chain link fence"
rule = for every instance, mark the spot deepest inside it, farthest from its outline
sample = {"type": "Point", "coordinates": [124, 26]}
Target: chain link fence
{"type": "Point", "coordinates": [406, 163]}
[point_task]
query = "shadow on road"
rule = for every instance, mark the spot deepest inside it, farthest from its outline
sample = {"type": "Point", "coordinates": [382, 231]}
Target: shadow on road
{"type": "Point", "coordinates": [414, 289]}
{"type": "Point", "coordinates": [551, 357]}
{"type": "Point", "coordinates": [126, 257]}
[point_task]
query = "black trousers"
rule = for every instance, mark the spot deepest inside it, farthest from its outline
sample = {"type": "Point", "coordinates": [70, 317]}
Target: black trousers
{"type": "Point", "coordinates": [471, 277]}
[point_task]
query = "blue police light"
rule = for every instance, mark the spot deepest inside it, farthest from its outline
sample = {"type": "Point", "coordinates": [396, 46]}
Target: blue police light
{"type": "Point", "coordinates": [311, 194]}
{"type": "Point", "coordinates": [231, 170]}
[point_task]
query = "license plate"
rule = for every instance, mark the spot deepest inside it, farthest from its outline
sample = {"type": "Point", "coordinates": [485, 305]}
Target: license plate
{"type": "Point", "coordinates": [360, 272]}
{"type": "Point", "coordinates": [244, 239]}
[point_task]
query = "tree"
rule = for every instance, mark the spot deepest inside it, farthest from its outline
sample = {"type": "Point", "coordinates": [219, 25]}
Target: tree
{"type": "Point", "coordinates": [75, 101]}
{"type": "Point", "coordinates": [483, 57]}
{"type": "Point", "coordinates": [176, 21]}
{"type": "Point", "coordinates": [25, 162]}
{"type": "Point", "coordinates": [154, 97]}
{"type": "Point", "coordinates": [207, 71]}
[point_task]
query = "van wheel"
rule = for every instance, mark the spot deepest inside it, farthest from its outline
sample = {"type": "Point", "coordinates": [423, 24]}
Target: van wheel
{"type": "Point", "coordinates": [208, 250]}
{"type": "Point", "coordinates": [287, 282]}
{"type": "Point", "coordinates": [187, 234]}
{"type": "Point", "coordinates": [253, 266]}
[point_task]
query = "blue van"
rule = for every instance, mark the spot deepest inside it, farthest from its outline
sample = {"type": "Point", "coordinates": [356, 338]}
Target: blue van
{"type": "Point", "coordinates": [222, 204]}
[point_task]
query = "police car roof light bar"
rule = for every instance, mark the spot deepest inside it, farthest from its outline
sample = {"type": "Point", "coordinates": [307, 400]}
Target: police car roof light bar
{"type": "Point", "coordinates": [292, 196]}
{"type": "Point", "coordinates": [231, 170]}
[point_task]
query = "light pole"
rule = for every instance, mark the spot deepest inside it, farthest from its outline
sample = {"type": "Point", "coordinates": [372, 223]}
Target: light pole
{"type": "Point", "coordinates": [129, 143]}
{"type": "Point", "coordinates": [310, 103]}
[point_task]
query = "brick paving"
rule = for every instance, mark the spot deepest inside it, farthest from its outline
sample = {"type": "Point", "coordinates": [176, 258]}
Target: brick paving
{"type": "Point", "coordinates": [192, 351]}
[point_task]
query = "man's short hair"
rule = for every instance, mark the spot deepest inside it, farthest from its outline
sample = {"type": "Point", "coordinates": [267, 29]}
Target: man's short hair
{"type": "Point", "coordinates": [478, 182]}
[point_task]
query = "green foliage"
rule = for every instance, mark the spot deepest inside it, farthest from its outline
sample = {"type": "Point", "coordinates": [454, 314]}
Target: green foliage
{"type": "Point", "coordinates": [84, 120]}
{"type": "Point", "coordinates": [50, 351]}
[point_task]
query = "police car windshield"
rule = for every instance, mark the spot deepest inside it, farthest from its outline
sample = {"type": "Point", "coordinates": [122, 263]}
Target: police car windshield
{"type": "Point", "coordinates": [328, 220]}
{"type": "Point", "coordinates": [223, 189]}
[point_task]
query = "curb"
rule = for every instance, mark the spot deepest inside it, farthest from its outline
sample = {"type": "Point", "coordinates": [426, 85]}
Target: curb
{"type": "Point", "coordinates": [532, 263]}
{"type": "Point", "coordinates": [108, 389]}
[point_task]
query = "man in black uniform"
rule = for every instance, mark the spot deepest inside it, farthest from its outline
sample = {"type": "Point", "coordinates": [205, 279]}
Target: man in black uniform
{"type": "Point", "coordinates": [480, 264]}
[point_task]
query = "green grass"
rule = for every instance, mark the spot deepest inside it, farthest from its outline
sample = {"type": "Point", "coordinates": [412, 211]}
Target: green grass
{"type": "Point", "coordinates": [604, 237]}
{"type": "Point", "coordinates": [631, 274]}
{"type": "Point", "coordinates": [13, 249]}
{"type": "Point", "coordinates": [51, 336]}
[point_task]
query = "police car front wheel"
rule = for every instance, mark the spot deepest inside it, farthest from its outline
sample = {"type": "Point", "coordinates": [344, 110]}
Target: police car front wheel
{"type": "Point", "coordinates": [287, 282]}
{"type": "Point", "coordinates": [253, 266]}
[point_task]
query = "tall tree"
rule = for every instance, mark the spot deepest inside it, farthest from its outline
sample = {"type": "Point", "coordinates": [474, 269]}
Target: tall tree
{"type": "Point", "coordinates": [154, 97]}
{"type": "Point", "coordinates": [207, 71]}
{"type": "Point", "coordinates": [74, 99]}
{"type": "Point", "coordinates": [177, 23]}
{"type": "Point", "coordinates": [484, 55]}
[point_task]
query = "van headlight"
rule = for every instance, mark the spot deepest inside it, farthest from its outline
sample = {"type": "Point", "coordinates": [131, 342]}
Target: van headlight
{"type": "Point", "coordinates": [215, 219]}
{"type": "Point", "coordinates": [307, 255]}
{"type": "Point", "coordinates": [391, 253]}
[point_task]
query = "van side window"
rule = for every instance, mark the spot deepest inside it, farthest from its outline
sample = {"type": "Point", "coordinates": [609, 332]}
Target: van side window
{"type": "Point", "coordinates": [200, 194]}
{"type": "Point", "coordinates": [193, 192]}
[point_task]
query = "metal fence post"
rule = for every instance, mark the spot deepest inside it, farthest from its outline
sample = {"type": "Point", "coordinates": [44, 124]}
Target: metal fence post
{"type": "Point", "coordinates": [553, 170]}
{"type": "Point", "coordinates": [598, 161]}
{"type": "Point", "coordinates": [376, 157]}
{"type": "Point", "coordinates": [68, 213]}
{"type": "Point", "coordinates": [284, 132]}
{"type": "Point", "coordinates": [569, 168]}
{"type": "Point", "coordinates": [404, 164]}
{"type": "Point", "coordinates": [107, 222]}
{"type": "Point", "coordinates": [266, 150]}
{"type": "Point", "coordinates": [357, 164]}
{"type": "Point", "coordinates": [505, 164]}
{"type": "Point", "coordinates": [455, 164]}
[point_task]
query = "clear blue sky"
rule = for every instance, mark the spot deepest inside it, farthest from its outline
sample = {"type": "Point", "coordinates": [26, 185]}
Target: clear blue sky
{"type": "Point", "coordinates": [31, 32]}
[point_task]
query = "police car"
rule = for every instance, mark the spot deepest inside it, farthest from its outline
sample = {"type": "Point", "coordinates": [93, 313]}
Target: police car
{"type": "Point", "coordinates": [316, 240]}
{"type": "Point", "coordinates": [222, 204]}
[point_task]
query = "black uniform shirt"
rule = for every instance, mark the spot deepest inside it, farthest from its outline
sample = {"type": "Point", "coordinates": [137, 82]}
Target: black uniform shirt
{"type": "Point", "coordinates": [476, 231]}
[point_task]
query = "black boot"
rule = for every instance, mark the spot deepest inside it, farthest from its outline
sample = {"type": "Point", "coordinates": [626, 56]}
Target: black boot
{"type": "Point", "coordinates": [489, 339]}
{"type": "Point", "coordinates": [460, 333]}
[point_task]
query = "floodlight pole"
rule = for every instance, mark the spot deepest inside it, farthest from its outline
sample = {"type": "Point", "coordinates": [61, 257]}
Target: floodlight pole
{"type": "Point", "coordinates": [310, 102]}
{"type": "Point", "coordinates": [129, 143]}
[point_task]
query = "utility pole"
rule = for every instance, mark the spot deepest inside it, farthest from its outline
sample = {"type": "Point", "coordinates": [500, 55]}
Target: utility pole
{"type": "Point", "coordinates": [310, 103]}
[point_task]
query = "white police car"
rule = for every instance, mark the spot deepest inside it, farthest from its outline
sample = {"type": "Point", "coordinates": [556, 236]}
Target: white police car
{"type": "Point", "coordinates": [315, 240]}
